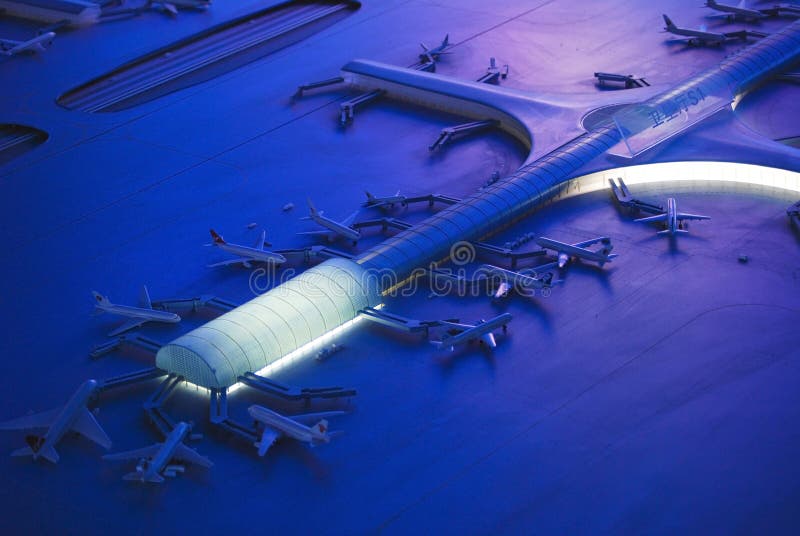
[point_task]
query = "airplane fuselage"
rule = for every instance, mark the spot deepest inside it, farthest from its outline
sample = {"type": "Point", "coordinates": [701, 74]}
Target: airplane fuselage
{"type": "Point", "coordinates": [66, 417]}
{"type": "Point", "coordinates": [287, 425]}
{"type": "Point", "coordinates": [513, 279]}
{"type": "Point", "coordinates": [254, 254]}
{"type": "Point", "coordinates": [336, 228]}
{"type": "Point", "coordinates": [736, 11]}
{"type": "Point", "coordinates": [166, 453]}
{"type": "Point", "coordinates": [565, 251]}
{"type": "Point", "coordinates": [139, 312]}
{"type": "Point", "coordinates": [697, 36]}
{"type": "Point", "coordinates": [672, 216]}
{"type": "Point", "coordinates": [482, 331]}
{"type": "Point", "coordinates": [38, 43]}
{"type": "Point", "coordinates": [384, 201]}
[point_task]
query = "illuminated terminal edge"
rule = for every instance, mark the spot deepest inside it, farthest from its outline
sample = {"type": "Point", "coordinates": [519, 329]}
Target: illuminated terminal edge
{"type": "Point", "coordinates": [750, 176]}
{"type": "Point", "coordinates": [645, 125]}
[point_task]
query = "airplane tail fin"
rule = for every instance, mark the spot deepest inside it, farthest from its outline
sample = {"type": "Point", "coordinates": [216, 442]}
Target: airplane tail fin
{"type": "Point", "coordinates": [100, 300]}
{"type": "Point", "coordinates": [216, 237]}
{"type": "Point", "coordinates": [446, 40]}
{"type": "Point", "coordinates": [321, 427]}
{"type": "Point", "coordinates": [670, 25]}
{"type": "Point", "coordinates": [312, 210]}
{"type": "Point", "coordinates": [35, 449]}
{"type": "Point", "coordinates": [370, 197]}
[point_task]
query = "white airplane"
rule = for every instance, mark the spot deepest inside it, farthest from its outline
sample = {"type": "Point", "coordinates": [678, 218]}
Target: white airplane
{"type": "Point", "coordinates": [672, 219]}
{"type": "Point", "coordinates": [515, 280]}
{"type": "Point", "coordinates": [483, 331]}
{"type": "Point", "coordinates": [579, 250]}
{"type": "Point", "coordinates": [156, 461]}
{"type": "Point", "coordinates": [297, 427]}
{"type": "Point", "coordinates": [387, 201]}
{"type": "Point", "coordinates": [40, 43]}
{"type": "Point", "coordinates": [246, 255]}
{"type": "Point", "coordinates": [334, 228]}
{"type": "Point", "coordinates": [695, 37]}
{"type": "Point", "coordinates": [138, 315]}
{"type": "Point", "coordinates": [74, 416]}
{"type": "Point", "coordinates": [740, 11]}
{"type": "Point", "coordinates": [432, 54]}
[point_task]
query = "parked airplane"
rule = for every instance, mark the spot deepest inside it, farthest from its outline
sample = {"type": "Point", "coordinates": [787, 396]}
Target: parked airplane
{"type": "Point", "coordinates": [334, 228]}
{"type": "Point", "coordinates": [139, 315]}
{"type": "Point", "coordinates": [246, 255]}
{"type": "Point", "coordinates": [74, 416]}
{"type": "Point", "coordinates": [40, 43]}
{"type": "Point", "coordinates": [483, 331]}
{"type": "Point", "coordinates": [387, 201]}
{"type": "Point", "coordinates": [296, 427]}
{"type": "Point", "coordinates": [695, 37]}
{"type": "Point", "coordinates": [672, 219]}
{"type": "Point", "coordinates": [156, 461]}
{"type": "Point", "coordinates": [579, 250]}
{"type": "Point", "coordinates": [431, 54]}
{"type": "Point", "coordinates": [739, 11]}
{"type": "Point", "coordinates": [520, 282]}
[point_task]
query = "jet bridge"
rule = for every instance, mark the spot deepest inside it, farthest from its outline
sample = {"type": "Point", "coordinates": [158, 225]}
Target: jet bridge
{"type": "Point", "coordinates": [627, 80]}
{"type": "Point", "coordinates": [218, 402]}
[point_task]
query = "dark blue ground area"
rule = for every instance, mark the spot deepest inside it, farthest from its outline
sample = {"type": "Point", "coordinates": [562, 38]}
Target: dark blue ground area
{"type": "Point", "coordinates": [656, 395]}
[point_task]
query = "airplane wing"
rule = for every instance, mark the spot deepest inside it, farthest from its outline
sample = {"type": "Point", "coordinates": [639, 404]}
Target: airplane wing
{"type": "Point", "coordinates": [8, 44]}
{"type": "Point", "coordinates": [190, 455]}
{"type": "Point", "coordinates": [127, 326]}
{"type": "Point", "coordinates": [29, 422]}
{"type": "Point", "coordinates": [313, 418]}
{"type": "Point", "coordinates": [320, 232]}
{"type": "Point", "coordinates": [659, 217]}
{"type": "Point", "coordinates": [135, 454]}
{"type": "Point", "coordinates": [576, 250]}
{"type": "Point", "coordinates": [268, 437]}
{"type": "Point", "coordinates": [350, 219]}
{"type": "Point", "coordinates": [587, 243]}
{"type": "Point", "coordinates": [685, 216]}
{"type": "Point", "coordinates": [237, 260]}
{"type": "Point", "coordinates": [87, 426]}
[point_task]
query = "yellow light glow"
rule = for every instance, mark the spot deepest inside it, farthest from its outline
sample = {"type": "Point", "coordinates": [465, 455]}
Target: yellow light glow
{"type": "Point", "coordinates": [702, 171]}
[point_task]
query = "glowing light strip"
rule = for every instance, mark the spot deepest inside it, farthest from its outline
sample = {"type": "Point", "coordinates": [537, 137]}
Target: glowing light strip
{"type": "Point", "coordinates": [294, 356]}
{"type": "Point", "coordinates": [701, 171]}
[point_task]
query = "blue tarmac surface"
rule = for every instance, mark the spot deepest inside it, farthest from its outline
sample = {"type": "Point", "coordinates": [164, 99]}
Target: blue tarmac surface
{"type": "Point", "coordinates": [657, 395]}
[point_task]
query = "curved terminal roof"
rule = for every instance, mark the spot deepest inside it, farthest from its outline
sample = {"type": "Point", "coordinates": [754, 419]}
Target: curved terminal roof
{"type": "Point", "coordinates": [270, 326]}
{"type": "Point", "coordinates": [295, 313]}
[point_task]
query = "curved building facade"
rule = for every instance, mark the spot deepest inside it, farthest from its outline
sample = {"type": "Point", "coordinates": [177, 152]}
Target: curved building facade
{"type": "Point", "coordinates": [332, 293]}
{"type": "Point", "coordinates": [272, 325]}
